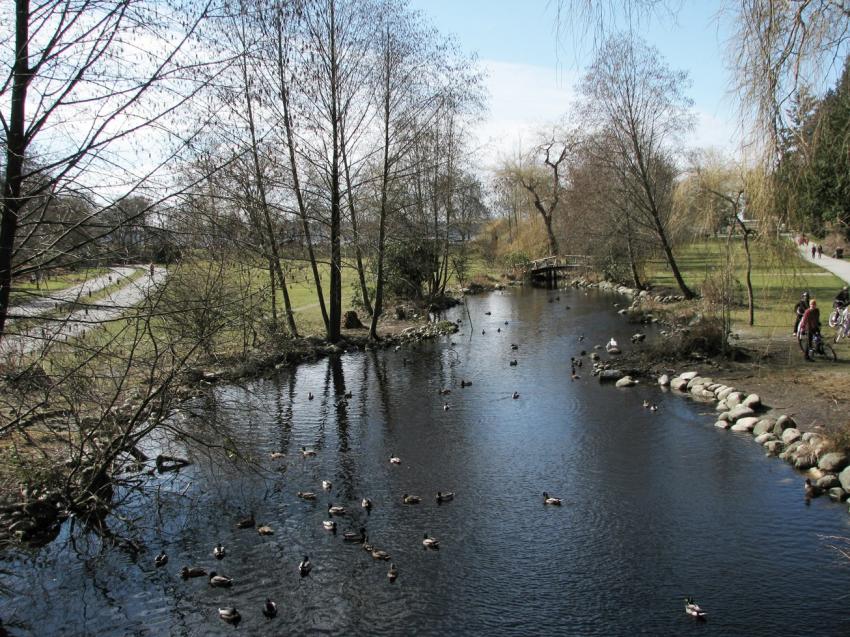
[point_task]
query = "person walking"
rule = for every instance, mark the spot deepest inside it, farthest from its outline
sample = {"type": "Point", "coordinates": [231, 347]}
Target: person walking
{"type": "Point", "coordinates": [814, 250]}
{"type": "Point", "coordinates": [820, 251]}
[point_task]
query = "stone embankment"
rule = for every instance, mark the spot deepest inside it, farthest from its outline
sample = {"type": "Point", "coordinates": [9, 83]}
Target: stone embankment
{"type": "Point", "coordinates": [814, 454]}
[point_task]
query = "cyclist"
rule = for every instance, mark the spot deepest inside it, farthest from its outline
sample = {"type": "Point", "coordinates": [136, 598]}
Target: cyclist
{"type": "Point", "coordinates": [799, 310]}
{"type": "Point", "coordinates": [842, 299]}
{"type": "Point", "coordinates": [810, 325]}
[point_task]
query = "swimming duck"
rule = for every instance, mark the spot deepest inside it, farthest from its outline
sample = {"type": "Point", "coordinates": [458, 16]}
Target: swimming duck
{"type": "Point", "coordinates": [326, 485]}
{"type": "Point", "coordinates": [514, 346]}
{"type": "Point", "coordinates": [498, 329]}
{"type": "Point", "coordinates": [310, 396]}
{"type": "Point", "coordinates": [230, 615]}
{"type": "Point", "coordinates": [348, 394]}
{"type": "Point", "coordinates": [445, 406]}
{"type": "Point", "coordinates": [329, 525]}
{"type": "Point", "coordinates": [392, 574]}
{"type": "Point", "coordinates": [395, 460]}
{"type": "Point", "coordinates": [265, 530]}
{"type": "Point", "coordinates": [246, 523]}
{"type": "Point", "coordinates": [487, 313]}
{"type": "Point", "coordinates": [513, 363]}
{"type": "Point", "coordinates": [653, 407]}
{"type": "Point", "coordinates": [549, 500]}
{"type": "Point", "coordinates": [411, 499]}
{"type": "Point", "coordinates": [646, 404]}
{"type": "Point", "coordinates": [445, 497]}
{"type": "Point", "coordinates": [306, 495]}
{"type": "Point", "coordinates": [515, 395]}
{"type": "Point", "coordinates": [444, 391]}
{"type": "Point", "coordinates": [812, 491]}
{"type": "Point", "coordinates": [335, 509]}
{"type": "Point", "coordinates": [693, 609]}
{"type": "Point", "coordinates": [161, 559]}
{"type": "Point", "coordinates": [378, 554]}
{"type": "Point", "coordinates": [305, 566]}
{"type": "Point", "coordinates": [276, 455]}
{"type": "Point", "coordinates": [220, 581]}
{"type": "Point", "coordinates": [351, 536]}
{"type": "Point", "coordinates": [307, 453]}
{"type": "Point", "coordinates": [465, 383]}
{"type": "Point", "coordinates": [219, 551]}
{"type": "Point", "coordinates": [430, 542]}
{"type": "Point", "coordinates": [366, 503]}
{"type": "Point", "coordinates": [192, 571]}
{"type": "Point", "coordinates": [270, 609]}
{"type": "Point", "coordinates": [483, 332]}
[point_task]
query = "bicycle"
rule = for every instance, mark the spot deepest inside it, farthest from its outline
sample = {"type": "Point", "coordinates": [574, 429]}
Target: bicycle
{"type": "Point", "coordinates": [819, 347]}
{"type": "Point", "coordinates": [839, 318]}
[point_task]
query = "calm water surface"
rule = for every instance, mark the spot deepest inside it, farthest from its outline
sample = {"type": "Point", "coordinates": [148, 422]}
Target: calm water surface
{"type": "Point", "coordinates": [656, 505]}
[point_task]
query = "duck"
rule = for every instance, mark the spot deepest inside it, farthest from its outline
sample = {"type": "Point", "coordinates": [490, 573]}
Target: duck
{"type": "Point", "coordinates": [483, 332]}
{"type": "Point", "coordinates": [499, 329]}
{"type": "Point", "coordinates": [310, 396]}
{"type": "Point", "coordinates": [514, 346]}
{"type": "Point", "coordinates": [445, 497]}
{"type": "Point", "coordinates": [411, 499]}
{"type": "Point", "coordinates": [465, 383]}
{"type": "Point", "coordinates": [366, 503]}
{"type": "Point", "coordinates": [812, 490]}
{"type": "Point", "coordinates": [515, 395]}
{"type": "Point", "coordinates": [653, 407]}
{"type": "Point", "coordinates": [351, 536]}
{"type": "Point", "coordinates": [392, 574]}
{"type": "Point", "coordinates": [276, 455]}
{"type": "Point", "coordinates": [549, 500]}
{"type": "Point", "coordinates": [395, 460]}
{"type": "Point", "coordinates": [230, 615]}
{"type": "Point", "coordinates": [269, 609]}
{"type": "Point", "coordinates": [430, 542]}
{"type": "Point", "coordinates": [307, 453]}
{"type": "Point", "coordinates": [348, 394]}
{"type": "Point", "coordinates": [444, 391]}
{"type": "Point", "coordinates": [378, 554]}
{"type": "Point", "coordinates": [246, 523]}
{"type": "Point", "coordinates": [487, 313]}
{"type": "Point", "coordinates": [305, 566]}
{"type": "Point", "coordinates": [646, 404]}
{"type": "Point", "coordinates": [306, 495]}
{"type": "Point", "coordinates": [326, 485]}
{"type": "Point", "coordinates": [220, 581]}
{"type": "Point", "coordinates": [513, 363]}
{"type": "Point", "coordinates": [446, 406]}
{"type": "Point", "coordinates": [693, 609]}
{"type": "Point", "coordinates": [219, 551]}
{"type": "Point", "coordinates": [335, 509]}
{"type": "Point", "coordinates": [265, 530]}
{"type": "Point", "coordinates": [192, 571]}
{"type": "Point", "coordinates": [329, 525]}
{"type": "Point", "coordinates": [161, 559]}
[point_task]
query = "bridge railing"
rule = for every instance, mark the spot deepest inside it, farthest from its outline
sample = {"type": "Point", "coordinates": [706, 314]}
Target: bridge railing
{"type": "Point", "coordinates": [565, 260]}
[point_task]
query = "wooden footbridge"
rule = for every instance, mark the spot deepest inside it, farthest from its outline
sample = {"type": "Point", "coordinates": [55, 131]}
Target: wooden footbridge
{"type": "Point", "coordinates": [547, 270]}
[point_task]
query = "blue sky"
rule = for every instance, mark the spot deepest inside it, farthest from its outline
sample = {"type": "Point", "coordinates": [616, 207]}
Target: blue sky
{"type": "Point", "coordinates": [530, 77]}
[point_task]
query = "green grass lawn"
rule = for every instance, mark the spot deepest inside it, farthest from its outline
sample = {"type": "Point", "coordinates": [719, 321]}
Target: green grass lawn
{"type": "Point", "coordinates": [779, 276]}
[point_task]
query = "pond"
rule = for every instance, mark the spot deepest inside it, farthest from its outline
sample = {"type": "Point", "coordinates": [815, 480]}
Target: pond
{"type": "Point", "coordinates": [656, 505]}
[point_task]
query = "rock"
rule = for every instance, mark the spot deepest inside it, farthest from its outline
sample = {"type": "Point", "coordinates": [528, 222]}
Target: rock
{"type": "Point", "coordinates": [698, 380]}
{"type": "Point", "coordinates": [773, 447]}
{"type": "Point", "coordinates": [699, 392]}
{"type": "Point", "coordinates": [740, 412]}
{"type": "Point", "coordinates": [804, 458]}
{"type": "Point", "coordinates": [351, 321]}
{"type": "Point", "coordinates": [723, 393]}
{"type": "Point", "coordinates": [722, 406]}
{"type": "Point", "coordinates": [844, 478]}
{"type": "Point", "coordinates": [764, 425]}
{"type": "Point", "coordinates": [753, 401]}
{"type": "Point", "coordinates": [815, 474]}
{"type": "Point", "coordinates": [745, 424]}
{"type": "Point", "coordinates": [837, 494]}
{"type": "Point", "coordinates": [829, 481]}
{"type": "Point", "coordinates": [688, 375]}
{"type": "Point", "coordinates": [723, 424]}
{"type": "Point", "coordinates": [725, 417]}
{"type": "Point", "coordinates": [765, 437]}
{"type": "Point", "coordinates": [664, 380]}
{"type": "Point", "coordinates": [734, 399]}
{"type": "Point", "coordinates": [679, 384]}
{"type": "Point", "coordinates": [834, 461]}
{"type": "Point", "coordinates": [626, 381]}
{"type": "Point", "coordinates": [790, 435]}
{"type": "Point", "coordinates": [783, 423]}
{"type": "Point", "coordinates": [610, 375]}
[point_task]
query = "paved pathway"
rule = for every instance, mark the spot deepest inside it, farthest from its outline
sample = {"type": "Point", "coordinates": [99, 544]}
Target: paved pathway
{"type": "Point", "coordinates": [73, 324]}
{"type": "Point", "coordinates": [839, 267]}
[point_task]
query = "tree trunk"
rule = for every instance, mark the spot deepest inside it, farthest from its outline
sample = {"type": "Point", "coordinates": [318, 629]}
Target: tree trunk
{"type": "Point", "coordinates": [335, 317]}
{"type": "Point", "coordinates": [749, 280]}
{"type": "Point", "coordinates": [358, 254]}
{"type": "Point", "coordinates": [16, 145]}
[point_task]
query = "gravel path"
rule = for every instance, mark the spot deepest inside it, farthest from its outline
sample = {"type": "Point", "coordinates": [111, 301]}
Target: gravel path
{"type": "Point", "coordinates": [839, 267]}
{"type": "Point", "coordinates": [73, 324]}
{"type": "Point", "coordinates": [54, 300]}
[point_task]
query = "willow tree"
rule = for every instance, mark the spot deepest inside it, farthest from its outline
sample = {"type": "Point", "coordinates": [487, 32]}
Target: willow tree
{"type": "Point", "coordinates": [638, 101]}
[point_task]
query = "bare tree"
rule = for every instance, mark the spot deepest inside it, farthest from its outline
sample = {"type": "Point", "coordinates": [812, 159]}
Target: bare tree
{"type": "Point", "coordinates": [637, 100]}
